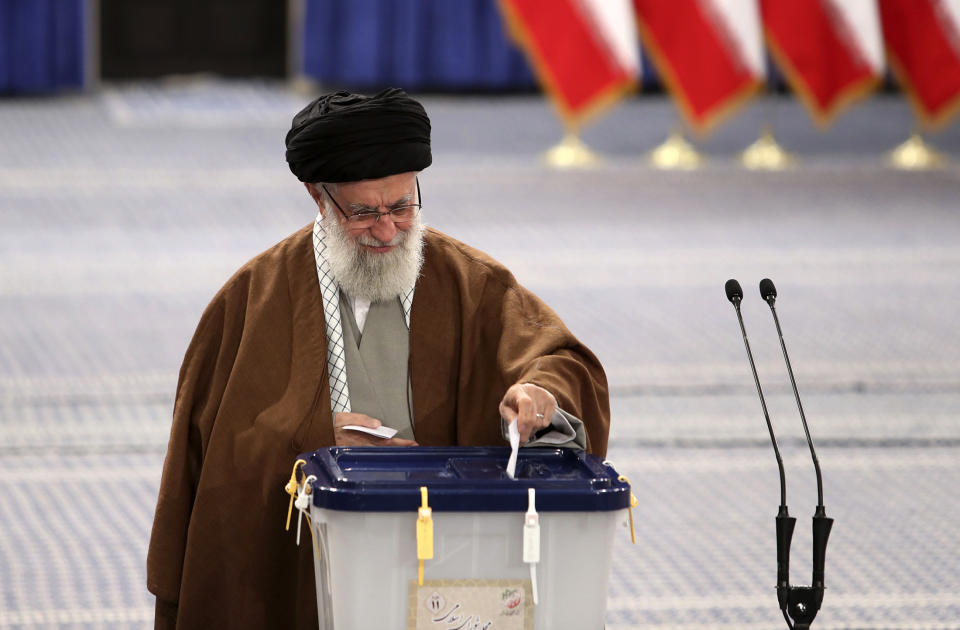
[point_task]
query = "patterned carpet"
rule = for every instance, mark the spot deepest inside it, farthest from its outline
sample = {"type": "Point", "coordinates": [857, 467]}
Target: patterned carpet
{"type": "Point", "coordinates": [122, 211]}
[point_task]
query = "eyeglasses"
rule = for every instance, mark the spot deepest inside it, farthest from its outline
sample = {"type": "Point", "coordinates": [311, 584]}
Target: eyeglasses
{"type": "Point", "coordinates": [400, 215]}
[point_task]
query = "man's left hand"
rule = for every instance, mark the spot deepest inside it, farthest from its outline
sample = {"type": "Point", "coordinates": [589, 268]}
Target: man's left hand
{"type": "Point", "coordinates": [531, 405]}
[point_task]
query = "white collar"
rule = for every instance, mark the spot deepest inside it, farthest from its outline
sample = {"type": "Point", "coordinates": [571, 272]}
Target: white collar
{"type": "Point", "coordinates": [360, 306]}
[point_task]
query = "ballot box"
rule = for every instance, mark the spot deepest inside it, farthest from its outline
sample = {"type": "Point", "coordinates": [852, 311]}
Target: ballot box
{"type": "Point", "coordinates": [443, 538]}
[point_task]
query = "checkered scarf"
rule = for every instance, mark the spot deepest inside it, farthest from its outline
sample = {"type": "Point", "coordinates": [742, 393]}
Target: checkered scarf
{"type": "Point", "coordinates": [336, 363]}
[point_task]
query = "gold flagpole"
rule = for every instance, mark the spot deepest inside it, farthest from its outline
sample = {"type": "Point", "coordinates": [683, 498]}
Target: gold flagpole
{"type": "Point", "coordinates": [675, 153]}
{"type": "Point", "coordinates": [766, 154]}
{"type": "Point", "coordinates": [571, 153]}
{"type": "Point", "coordinates": [915, 154]}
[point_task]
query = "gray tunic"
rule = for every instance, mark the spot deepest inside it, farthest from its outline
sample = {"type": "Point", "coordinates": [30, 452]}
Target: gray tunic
{"type": "Point", "coordinates": [376, 362]}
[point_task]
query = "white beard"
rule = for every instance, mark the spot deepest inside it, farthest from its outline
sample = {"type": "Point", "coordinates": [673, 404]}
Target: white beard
{"type": "Point", "coordinates": [369, 275]}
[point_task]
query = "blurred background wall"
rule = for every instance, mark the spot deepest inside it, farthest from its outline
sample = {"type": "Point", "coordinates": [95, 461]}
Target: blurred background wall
{"type": "Point", "coordinates": [432, 45]}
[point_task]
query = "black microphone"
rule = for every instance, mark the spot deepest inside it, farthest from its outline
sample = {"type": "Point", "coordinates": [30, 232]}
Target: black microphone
{"type": "Point", "coordinates": [734, 291]}
{"type": "Point", "coordinates": [784, 522]}
{"type": "Point", "coordinates": [803, 602]}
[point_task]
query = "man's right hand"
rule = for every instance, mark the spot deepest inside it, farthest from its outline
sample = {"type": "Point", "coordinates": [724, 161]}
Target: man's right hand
{"type": "Point", "coordinates": [349, 437]}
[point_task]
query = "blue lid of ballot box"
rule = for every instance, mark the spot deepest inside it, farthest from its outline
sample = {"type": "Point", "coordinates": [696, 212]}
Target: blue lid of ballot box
{"type": "Point", "coordinates": [463, 479]}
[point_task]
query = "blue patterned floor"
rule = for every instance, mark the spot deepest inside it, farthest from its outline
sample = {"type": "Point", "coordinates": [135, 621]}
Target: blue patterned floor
{"type": "Point", "coordinates": [122, 211]}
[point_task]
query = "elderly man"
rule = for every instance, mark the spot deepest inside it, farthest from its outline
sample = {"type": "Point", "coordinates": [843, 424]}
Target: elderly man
{"type": "Point", "coordinates": [366, 318]}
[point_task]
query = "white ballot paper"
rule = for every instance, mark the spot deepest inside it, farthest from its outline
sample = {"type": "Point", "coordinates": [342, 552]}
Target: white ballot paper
{"type": "Point", "coordinates": [383, 431]}
{"type": "Point", "coordinates": [513, 431]}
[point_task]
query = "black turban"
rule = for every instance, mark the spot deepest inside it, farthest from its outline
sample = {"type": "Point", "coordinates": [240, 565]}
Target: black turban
{"type": "Point", "coordinates": [343, 137]}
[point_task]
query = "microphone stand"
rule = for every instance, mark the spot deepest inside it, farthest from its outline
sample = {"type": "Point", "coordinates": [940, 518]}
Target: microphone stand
{"type": "Point", "coordinates": [799, 604]}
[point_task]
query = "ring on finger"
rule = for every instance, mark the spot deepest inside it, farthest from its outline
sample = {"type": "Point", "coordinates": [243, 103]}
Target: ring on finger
{"type": "Point", "coordinates": [540, 416]}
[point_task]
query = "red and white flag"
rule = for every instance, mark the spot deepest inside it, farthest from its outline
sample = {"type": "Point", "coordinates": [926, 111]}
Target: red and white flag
{"type": "Point", "coordinates": [829, 50]}
{"type": "Point", "coordinates": [923, 45]}
{"type": "Point", "coordinates": [708, 52]}
{"type": "Point", "coordinates": [585, 52]}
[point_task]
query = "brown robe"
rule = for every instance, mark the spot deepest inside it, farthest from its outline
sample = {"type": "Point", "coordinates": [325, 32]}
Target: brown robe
{"type": "Point", "coordinates": [253, 394]}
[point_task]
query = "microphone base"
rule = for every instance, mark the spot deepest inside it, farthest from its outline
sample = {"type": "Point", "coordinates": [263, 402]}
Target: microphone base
{"type": "Point", "coordinates": [803, 604]}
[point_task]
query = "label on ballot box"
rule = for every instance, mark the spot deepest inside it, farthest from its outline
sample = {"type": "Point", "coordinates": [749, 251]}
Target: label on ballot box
{"type": "Point", "coordinates": [470, 605]}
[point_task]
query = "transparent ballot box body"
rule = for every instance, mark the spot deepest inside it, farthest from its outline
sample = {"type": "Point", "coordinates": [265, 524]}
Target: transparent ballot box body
{"type": "Point", "coordinates": [364, 511]}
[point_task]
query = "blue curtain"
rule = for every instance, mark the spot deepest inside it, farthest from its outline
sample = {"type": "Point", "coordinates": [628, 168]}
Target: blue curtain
{"type": "Point", "coordinates": [41, 45]}
{"type": "Point", "coordinates": [416, 44]}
